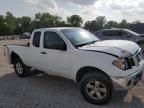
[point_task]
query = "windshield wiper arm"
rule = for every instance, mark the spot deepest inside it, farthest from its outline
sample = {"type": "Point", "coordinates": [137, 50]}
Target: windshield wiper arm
{"type": "Point", "coordinates": [87, 43]}
{"type": "Point", "coordinates": [92, 42]}
{"type": "Point", "coordinates": [80, 45]}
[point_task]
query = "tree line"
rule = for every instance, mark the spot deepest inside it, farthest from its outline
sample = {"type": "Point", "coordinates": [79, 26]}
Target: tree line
{"type": "Point", "coordinates": [10, 25]}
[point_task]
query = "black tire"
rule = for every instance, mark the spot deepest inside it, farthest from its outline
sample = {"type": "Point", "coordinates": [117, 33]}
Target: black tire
{"type": "Point", "coordinates": [24, 69]}
{"type": "Point", "coordinates": [102, 79]}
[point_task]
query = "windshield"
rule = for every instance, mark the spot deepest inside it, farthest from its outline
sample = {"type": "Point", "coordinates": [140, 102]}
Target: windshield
{"type": "Point", "coordinates": [79, 37]}
{"type": "Point", "coordinates": [131, 32]}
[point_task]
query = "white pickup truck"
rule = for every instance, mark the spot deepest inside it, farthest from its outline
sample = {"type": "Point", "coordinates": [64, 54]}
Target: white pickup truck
{"type": "Point", "coordinates": [98, 66]}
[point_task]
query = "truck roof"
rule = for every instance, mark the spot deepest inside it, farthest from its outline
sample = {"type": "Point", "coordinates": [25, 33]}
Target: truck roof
{"type": "Point", "coordinates": [57, 28]}
{"type": "Point", "coordinates": [113, 29]}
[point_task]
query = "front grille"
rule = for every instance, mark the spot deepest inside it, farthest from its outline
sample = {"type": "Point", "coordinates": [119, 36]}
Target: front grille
{"type": "Point", "coordinates": [134, 60]}
{"type": "Point", "coordinates": [128, 63]}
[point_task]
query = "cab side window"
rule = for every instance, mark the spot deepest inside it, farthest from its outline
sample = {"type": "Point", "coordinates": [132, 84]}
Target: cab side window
{"type": "Point", "coordinates": [112, 33]}
{"type": "Point", "coordinates": [52, 40]}
{"type": "Point", "coordinates": [36, 39]}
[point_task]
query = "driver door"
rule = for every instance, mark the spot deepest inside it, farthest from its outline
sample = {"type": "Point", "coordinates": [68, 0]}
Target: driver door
{"type": "Point", "coordinates": [55, 54]}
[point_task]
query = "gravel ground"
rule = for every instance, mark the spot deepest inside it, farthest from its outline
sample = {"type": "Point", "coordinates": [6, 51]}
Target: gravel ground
{"type": "Point", "coordinates": [44, 91]}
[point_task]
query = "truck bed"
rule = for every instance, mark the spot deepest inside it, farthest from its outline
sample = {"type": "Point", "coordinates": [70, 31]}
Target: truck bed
{"type": "Point", "coordinates": [24, 45]}
{"type": "Point", "coordinates": [22, 42]}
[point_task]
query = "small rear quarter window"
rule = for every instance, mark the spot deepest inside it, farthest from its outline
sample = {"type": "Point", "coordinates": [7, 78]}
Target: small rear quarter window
{"type": "Point", "coordinates": [36, 39]}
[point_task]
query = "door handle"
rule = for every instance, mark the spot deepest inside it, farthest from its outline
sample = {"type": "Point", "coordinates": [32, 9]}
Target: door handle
{"type": "Point", "coordinates": [43, 53]}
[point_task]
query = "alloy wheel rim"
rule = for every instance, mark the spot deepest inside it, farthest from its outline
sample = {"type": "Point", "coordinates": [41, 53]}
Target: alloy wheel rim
{"type": "Point", "coordinates": [96, 90]}
{"type": "Point", "coordinates": [19, 68]}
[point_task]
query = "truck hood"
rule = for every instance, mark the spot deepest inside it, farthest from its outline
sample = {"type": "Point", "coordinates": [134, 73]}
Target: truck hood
{"type": "Point", "coordinates": [120, 48]}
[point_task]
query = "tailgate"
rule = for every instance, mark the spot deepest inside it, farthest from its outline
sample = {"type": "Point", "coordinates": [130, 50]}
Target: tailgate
{"type": "Point", "coordinates": [6, 51]}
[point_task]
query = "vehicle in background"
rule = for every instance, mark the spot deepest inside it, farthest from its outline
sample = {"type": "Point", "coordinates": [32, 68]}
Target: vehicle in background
{"type": "Point", "coordinates": [12, 37]}
{"type": "Point", "coordinates": [121, 34]}
{"type": "Point", "coordinates": [25, 35]}
{"type": "Point", "coordinates": [99, 67]}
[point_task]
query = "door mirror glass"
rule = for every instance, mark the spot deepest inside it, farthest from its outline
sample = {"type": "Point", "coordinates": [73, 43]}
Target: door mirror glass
{"type": "Point", "coordinates": [62, 47]}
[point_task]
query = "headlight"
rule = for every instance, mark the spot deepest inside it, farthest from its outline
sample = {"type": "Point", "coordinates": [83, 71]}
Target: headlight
{"type": "Point", "coordinates": [120, 63]}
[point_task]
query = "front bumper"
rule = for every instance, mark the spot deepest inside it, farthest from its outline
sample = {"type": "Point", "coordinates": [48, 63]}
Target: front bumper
{"type": "Point", "coordinates": [125, 83]}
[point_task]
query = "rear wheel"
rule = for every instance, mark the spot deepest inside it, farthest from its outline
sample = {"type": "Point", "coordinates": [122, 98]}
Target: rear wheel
{"type": "Point", "coordinates": [96, 88]}
{"type": "Point", "coordinates": [21, 69]}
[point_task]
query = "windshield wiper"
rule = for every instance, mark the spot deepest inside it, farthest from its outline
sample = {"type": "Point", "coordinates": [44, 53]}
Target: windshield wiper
{"type": "Point", "coordinates": [87, 43]}
{"type": "Point", "coordinates": [92, 42]}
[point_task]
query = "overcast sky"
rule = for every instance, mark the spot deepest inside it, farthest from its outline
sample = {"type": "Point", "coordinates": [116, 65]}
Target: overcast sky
{"type": "Point", "coordinates": [88, 9]}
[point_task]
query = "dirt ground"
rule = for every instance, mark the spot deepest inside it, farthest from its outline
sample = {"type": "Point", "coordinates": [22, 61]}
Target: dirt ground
{"type": "Point", "coordinates": [44, 91]}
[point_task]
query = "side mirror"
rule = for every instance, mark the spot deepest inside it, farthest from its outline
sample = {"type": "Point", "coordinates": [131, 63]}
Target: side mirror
{"type": "Point", "coordinates": [63, 47]}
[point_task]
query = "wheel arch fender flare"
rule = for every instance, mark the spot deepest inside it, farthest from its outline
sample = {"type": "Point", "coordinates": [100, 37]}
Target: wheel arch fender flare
{"type": "Point", "coordinates": [84, 70]}
{"type": "Point", "coordinates": [13, 56]}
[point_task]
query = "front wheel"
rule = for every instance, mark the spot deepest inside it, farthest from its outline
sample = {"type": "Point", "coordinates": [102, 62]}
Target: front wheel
{"type": "Point", "coordinates": [20, 69]}
{"type": "Point", "coordinates": [96, 88]}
